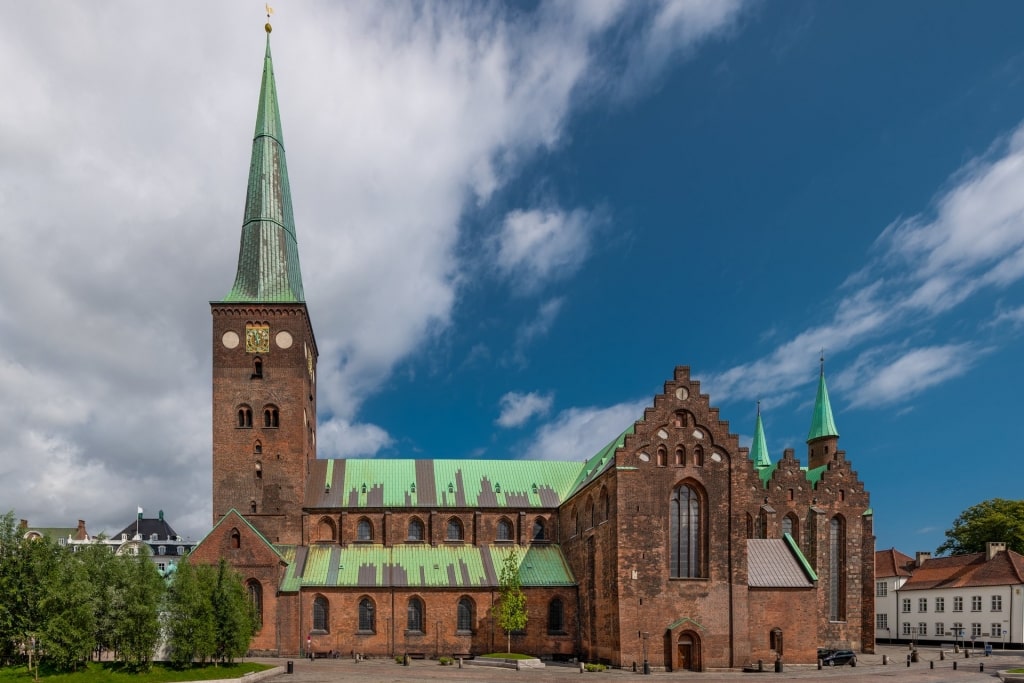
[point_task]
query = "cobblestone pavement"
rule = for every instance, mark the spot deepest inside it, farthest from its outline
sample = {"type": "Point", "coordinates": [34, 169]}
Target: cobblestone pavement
{"type": "Point", "coordinates": [869, 668]}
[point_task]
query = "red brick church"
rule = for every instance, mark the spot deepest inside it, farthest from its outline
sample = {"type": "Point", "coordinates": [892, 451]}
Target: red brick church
{"type": "Point", "coordinates": [673, 544]}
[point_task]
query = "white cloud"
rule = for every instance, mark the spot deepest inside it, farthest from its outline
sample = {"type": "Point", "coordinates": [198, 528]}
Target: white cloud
{"type": "Point", "coordinates": [123, 172]}
{"type": "Point", "coordinates": [875, 379]}
{"type": "Point", "coordinates": [1014, 317]}
{"type": "Point", "coordinates": [517, 408]}
{"type": "Point", "coordinates": [534, 329]}
{"type": "Point", "coordinates": [538, 246]}
{"type": "Point", "coordinates": [579, 433]}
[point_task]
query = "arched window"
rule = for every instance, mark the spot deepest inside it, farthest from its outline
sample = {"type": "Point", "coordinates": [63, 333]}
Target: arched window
{"type": "Point", "coordinates": [556, 616]}
{"type": "Point", "coordinates": [538, 529]}
{"type": "Point", "coordinates": [775, 640]}
{"type": "Point", "coordinates": [762, 525]}
{"type": "Point", "coordinates": [590, 513]}
{"type": "Point", "coordinates": [791, 526]}
{"type": "Point", "coordinates": [415, 530]}
{"type": "Point", "coordinates": [686, 532]}
{"type": "Point", "coordinates": [244, 417]}
{"type": "Point", "coordinates": [270, 417]}
{"type": "Point", "coordinates": [364, 530]}
{"type": "Point", "coordinates": [836, 569]}
{"type": "Point", "coordinates": [454, 531]}
{"type": "Point", "coordinates": [236, 539]}
{"type": "Point", "coordinates": [321, 614]}
{"type": "Point", "coordinates": [255, 591]}
{"type": "Point", "coordinates": [259, 469]}
{"type": "Point", "coordinates": [679, 420]}
{"type": "Point", "coordinates": [576, 521]}
{"type": "Point", "coordinates": [662, 456]}
{"type": "Point", "coordinates": [602, 506]}
{"type": "Point", "coordinates": [698, 456]}
{"type": "Point", "coordinates": [504, 530]}
{"type": "Point", "coordinates": [414, 615]}
{"type": "Point", "coordinates": [680, 455]}
{"type": "Point", "coordinates": [258, 448]}
{"type": "Point", "coordinates": [464, 618]}
{"type": "Point", "coordinates": [367, 622]}
{"type": "Point", "coordinates": [257, 368]}
{"type": "Point", "coordinates": [325, 529]}
{"type": "Point", "coordinates": [252, 507]}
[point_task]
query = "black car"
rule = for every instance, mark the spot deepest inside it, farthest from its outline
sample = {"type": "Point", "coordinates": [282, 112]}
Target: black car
{"type": "Point", "coordinates": [837, 657]}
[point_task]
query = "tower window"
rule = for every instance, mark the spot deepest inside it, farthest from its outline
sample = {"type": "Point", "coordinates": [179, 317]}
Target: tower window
{"type": "Point", "coordinates": [244, 417]}
{"type": "Point", "coordinates": [259, 470]}
{"type": "Point", "coordinates": [257, 369]}
{"type": "Point", "coordinates": [270, 417]}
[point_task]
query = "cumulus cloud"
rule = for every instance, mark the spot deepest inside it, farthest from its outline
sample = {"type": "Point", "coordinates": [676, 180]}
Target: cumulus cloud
{"type": "Point", "coordinates": [579, 433]}
{"type": "Point", "coordinates": [517, 408]}
{"type": "Point", "coordinates": [538, 246]}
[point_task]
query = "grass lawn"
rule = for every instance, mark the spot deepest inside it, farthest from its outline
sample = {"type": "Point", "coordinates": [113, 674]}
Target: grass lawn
{"type": "Point", "coordinates": [109, 672]}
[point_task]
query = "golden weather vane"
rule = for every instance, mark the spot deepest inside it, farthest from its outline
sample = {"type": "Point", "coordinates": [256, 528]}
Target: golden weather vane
{"type": "Point", "coordinates": [270, 10]}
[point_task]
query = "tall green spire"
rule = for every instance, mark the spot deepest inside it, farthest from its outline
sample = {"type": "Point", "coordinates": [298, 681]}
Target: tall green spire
{"type": "Point", "coordinates": [822, 422]}
{"type": "Point", "coordinates": [268, 259]}
{"type": "Point", "coordinates": [759, 448]}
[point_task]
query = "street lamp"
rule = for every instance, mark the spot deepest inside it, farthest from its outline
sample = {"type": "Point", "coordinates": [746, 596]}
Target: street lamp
{"type": "Point", "coordinates": [647, 665]}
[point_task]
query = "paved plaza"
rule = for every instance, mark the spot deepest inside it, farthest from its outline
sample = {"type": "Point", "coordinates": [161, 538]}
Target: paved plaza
{"type": "Point", "coordinates": [869, 668]}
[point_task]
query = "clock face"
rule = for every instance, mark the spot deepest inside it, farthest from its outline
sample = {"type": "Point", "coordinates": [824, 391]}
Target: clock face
{"type": "Point", "coordinates": [230, 339]}
{"type": "Point", "coordinates": [257, 338]}
{"type": "Point", "coordinates": [283, 339]}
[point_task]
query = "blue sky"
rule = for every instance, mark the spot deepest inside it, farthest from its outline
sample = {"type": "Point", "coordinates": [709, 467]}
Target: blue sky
{"type": "Point", "coordinates": [514, 221]}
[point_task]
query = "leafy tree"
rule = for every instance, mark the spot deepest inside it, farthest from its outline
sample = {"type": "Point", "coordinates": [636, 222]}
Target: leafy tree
{"type": "Point", "coordinates": [510, 610]}
{"type": "Point", "coordinates": [998, 519]}
{"type": "Point", "coordinates": [234, 615]}
{"type": "Point", "coordinates": [67, 629]}
{"type": "Point", "coordinates": [10, 547]}
{"type": "Point", "coordinates": [107, 574]}
{"type": "Point", "coordinates": [191, 628]}
{"type": "Point", "coordinates": [135, 611]}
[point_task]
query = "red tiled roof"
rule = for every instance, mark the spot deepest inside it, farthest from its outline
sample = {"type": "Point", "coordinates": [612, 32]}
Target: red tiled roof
{"type": "Point", "coordinates": [962, 571]}
{"type": "Point", "coordinates": [892, 562]}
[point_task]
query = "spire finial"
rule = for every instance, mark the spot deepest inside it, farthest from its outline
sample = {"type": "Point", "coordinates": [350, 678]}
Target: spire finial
{"type": "Point", "coordinates": [270, 10]}
{"type": "Point", "coordinates": [822, 361]}
{"type": "Point", "coordinates": [759, 407]}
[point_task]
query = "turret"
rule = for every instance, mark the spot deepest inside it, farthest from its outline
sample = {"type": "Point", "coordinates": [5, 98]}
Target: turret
{"type": "Point", "coordinates": [823, 438]}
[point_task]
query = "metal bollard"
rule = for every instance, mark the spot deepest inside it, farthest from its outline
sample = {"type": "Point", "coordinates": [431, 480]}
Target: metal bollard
{"type": "Point", "coordinates": [908, 661]}
{"type": "Point", "coordinates": [954, 665]}
{"type": "Point", "coordinates": [819, 665]}
{"type": "Point", "coordinates": [460, 662]}
{"type": "Point", "coordinates": [885, 660]}
{"type": "Point", "coordinates": [931, 663]}
{"type": "Point", "coordinates": [981, 667]}
{"type": "Point", "coordinates": [942, 655]}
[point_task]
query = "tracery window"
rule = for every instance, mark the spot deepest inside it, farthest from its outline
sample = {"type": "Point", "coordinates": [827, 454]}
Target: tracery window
{"type": "Point", "coordinates": [464, 618]}
{"type": "Point", "coordinates": [321, 612]}
{"type": "Point", "coordinates": [255, 590]}
{"type": "Point", "coordinates": [686, 532]}
{"type": "Point", "coordinates": [244, 417]}
{"type": "Point", "coordinates": [367, 621]}
{"type": "Point", "coordinates": [414, 615]}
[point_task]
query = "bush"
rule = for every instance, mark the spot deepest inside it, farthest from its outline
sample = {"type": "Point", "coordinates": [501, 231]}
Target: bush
{"type": "Point", "coordinates": [445, 661]}
{"type": "Point", "coordinates": [594, 667]}
{"type": "Point", "coordinates": [399, 659]}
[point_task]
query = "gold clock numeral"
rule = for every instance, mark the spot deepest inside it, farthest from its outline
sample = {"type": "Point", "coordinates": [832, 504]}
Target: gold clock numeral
{"type": "Point", "coordinates": [257, 338]}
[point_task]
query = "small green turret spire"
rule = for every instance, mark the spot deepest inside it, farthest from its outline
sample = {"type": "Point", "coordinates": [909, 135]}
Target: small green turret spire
{"type": "Point", "coordinates": [822, 422]}
{"type": "Point", "coordinates": [268, 259]}
{"type": "Point", "coordinates": [759, 448]}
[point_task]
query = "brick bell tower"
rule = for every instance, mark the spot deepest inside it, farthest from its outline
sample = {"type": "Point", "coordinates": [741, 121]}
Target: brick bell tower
{"type": "Point", "coordinates": [264, 351]}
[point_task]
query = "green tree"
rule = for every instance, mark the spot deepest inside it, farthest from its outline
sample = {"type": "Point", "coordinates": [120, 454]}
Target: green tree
{"type": "Point", "coordinates": [190, 624]}
{"type": "Point", "coordinates": [107, 574]}
{"type": "Point", "coordinates": [67, 629]}
{"type": "Point", "coordinates": [998, 519]}
{"type": "Point", "coordinates": [510, 610]}
{"type": "Point", "coordinates": [233, 614]}
{"type": "Point", "coordinates": [136, 611]}
{"type": "Point", "coordinates": [10, 549]}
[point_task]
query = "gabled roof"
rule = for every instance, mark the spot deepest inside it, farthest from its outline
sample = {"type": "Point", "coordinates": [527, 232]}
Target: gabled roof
{"type": "Point", "coordinates": [1006, 568]}
{"type": "Point", "coordinates": [892, 562]}
{"type": "Point", "coordinates": [381, 482]}
{"type": "Point", "coordinates": [776, 563]}
{"type": "Point", "coordinates": [234, 514]}
{"type": "Point", "coordinates": [268, 258]}
{"type": "Point", "coordinates": [822, 422]}
{"type": "Point", "coordinates": [421, 566]}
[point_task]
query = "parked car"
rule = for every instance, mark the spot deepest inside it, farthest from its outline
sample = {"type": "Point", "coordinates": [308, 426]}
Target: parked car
{"type": "Point", "coordinates": [837, 657]}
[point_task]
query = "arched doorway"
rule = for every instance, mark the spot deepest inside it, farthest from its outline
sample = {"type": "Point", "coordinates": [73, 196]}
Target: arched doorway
{"type": "Point", "coordinates": [688, 652]}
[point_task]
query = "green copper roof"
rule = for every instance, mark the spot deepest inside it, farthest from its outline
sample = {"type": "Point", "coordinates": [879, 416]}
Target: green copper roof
{"type": "Point", "coordinates": [382, 482]}
{"type": "Point", "coordinates": [422, 566]}
{"type": "Point", "coordinates": [268, 259]}
{"type": "Point", "coordinates": [795, 548]}
{"type": "Point", "coordinates": [759, 448]}
{"type": "Point", "coordinates": [822, 422]}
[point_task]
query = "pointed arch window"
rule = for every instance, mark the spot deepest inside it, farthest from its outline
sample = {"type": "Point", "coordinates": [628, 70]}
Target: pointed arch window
{"type": "Point", "coordinates": [255, 591]}
{"type": "Point", "coordinates": [236, 539]}
{"type": "Point", "coordinates": [415, 529]}
{"type": "Point", "coordinates": [556, 616]}
{"type": "Point", "coordinates": [680, 455]}
{"type": "Point", "coordinates": [464, 616]}
{"type": "Point", "coordinates": [321, 614]}
{"type": "Point", "coordinates": [504, 530]}
{"type": "Point", "coordinates": [258, 448]}
{"type": "Point", "coordinates": [837, 569]}
{"type": "Point", "coordinates": [414, 615]}
{"type": "Point", "coordinates": [364, 530]}
{"type": "Point", "coordinates": [539, 533]}
{"type": "Point", "coordinates": [791, 526]}
{"type": "Point", "coordinates": [602, 506]}
{"type": "Point", "coordinates": [454, 531]}
{"type": "Point", "coordinates": [367, 616]}
{"type": "Point", "coordinates": [257, 368]}
{"type": "Point", "coordinates": [687, 532]}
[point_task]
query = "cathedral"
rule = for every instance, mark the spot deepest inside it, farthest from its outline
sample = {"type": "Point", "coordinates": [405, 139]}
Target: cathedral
{"type": "Point", "coordinates": [672, 546]}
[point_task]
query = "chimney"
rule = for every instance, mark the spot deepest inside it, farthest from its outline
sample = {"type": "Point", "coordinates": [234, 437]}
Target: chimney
{"type": "Point", "coordinates": [993, 547]}
{"type": "Point", "coordinates": [23, 525]}
{"type": "Point", "coordinates": [920, 557]}
{"type": "Point", "coordinates": [81, 534]}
